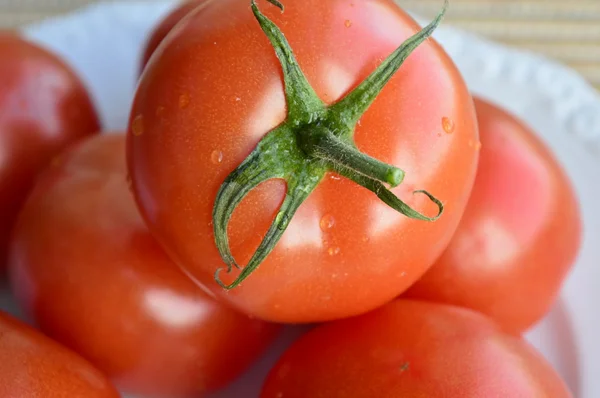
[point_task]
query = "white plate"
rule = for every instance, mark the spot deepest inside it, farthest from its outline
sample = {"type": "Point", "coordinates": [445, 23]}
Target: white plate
{"type": "Point", "coordinates": [103, 43]}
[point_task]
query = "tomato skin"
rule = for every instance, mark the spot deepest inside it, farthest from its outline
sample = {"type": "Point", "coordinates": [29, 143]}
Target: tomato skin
{"type": "Point", "coordinates": [43, 108]}
{"type": "Point", "coordinates": [413, 349]}
{"type": "Point", "coordinates": [520, 233]}
{"type": "Point", "coordinates": [166, 25]}
{"type": "Point", "coordinates": [86, 269]}
{"type": "Point", "coordinates": [215, 88]}
{"type": "Point", "coordinates": [32, 365]}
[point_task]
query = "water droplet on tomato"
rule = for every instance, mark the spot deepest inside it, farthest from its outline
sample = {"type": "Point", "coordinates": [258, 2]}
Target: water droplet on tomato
{"type": "Point", "coordinates": [335, 177]}
{"type": "Point", "coordinates": [327, 222]}
{"type": "Point", "coordinates": [129, 182]}
{"type": "Point", "coordinates": [184, 100]}
{"type": "Point", "coordinates": [448, 125]}
{"type": "Point", "coordinates": [137, 126]}
{"type": "Point", "coordinates": [475, 144]}
{"type": "Point", "coordinates": [216, 157]}
{"type": "Point", "coordinates": [333, 251]}
{"type": "Point", "coordinates": [348, 23]}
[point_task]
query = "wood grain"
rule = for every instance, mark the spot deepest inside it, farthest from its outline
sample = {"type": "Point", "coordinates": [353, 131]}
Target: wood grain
{"type": "Point", "coordinates": [568, 31]}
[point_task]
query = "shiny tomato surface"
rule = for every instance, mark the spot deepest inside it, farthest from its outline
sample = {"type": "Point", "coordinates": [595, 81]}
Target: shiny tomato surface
{"type": "Point", "coordinates": [520, 234]}
{"type": "Point", "coordinates": [215, 88]}
{"type": "Point", "coordinates": [413, 349]}
{"type": "Point", "coordinates": [43, 107]}
{"type": "Point", "coordinates": [166, 25]}
{"type": "Point", "coordinates": [86, 269]}
{"type": "Point", "coordinates": [34, 366]}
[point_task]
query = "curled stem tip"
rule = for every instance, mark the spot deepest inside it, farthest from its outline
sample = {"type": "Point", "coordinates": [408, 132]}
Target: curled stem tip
{"type": "Point", "coordinates": [277, 4]}
{"type": "Point", "coordinates": [274, 2]}
{"type": "Point", "coordinates": [299, 187]}
{"type": "Point", "coordinates": [234, 189]}
{"type": "Point", "coordinates": [435, 200]}
{"type": "Point", "coordinates": [388, 197]}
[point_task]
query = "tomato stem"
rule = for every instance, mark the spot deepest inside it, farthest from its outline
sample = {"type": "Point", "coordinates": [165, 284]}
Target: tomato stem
{"type": "Point", "coordinates": [299, 187]}
{"type": "Point", "coordinates": [301, 98]}
{"type": "Point", "coordinates": [314, 139]}
{"type": "Point", "coordinates": [355, 104]}
{"type": "Point", "coordinates": [276, 156]}
{"type": "Point", "coordinates": [389, 198]}
{"type": "Point", "coordinates": [277, 4]}
{"type": "Point", "coordinates": [320, 143]}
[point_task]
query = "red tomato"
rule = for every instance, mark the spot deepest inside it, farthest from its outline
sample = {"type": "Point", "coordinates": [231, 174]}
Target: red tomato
{"type": "Point", "coordinates": [520, 234]}
{"type": "Point", "coordinates": [85, 268]}
{"type": "Point", "coordinates": [215, 88]}
{"type": "Point", "coordinates": [413, 349]}
{"type": "Point", "coordinates": [32, 365]}
{"type": "Point", "coordinates": [43, 107]}
{"type": "Point", "coordinates": [166, 25]}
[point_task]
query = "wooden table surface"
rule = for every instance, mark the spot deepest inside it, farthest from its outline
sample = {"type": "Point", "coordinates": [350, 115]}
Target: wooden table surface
{"type": "Point", "coordinates": [568, 31]}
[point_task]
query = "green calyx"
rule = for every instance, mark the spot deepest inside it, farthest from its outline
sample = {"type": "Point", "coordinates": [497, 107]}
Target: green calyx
{"type": "Point", "coordinates": [314, 139]}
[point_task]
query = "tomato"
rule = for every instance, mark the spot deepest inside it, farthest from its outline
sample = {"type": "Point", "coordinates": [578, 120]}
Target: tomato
{"type": "Point", "coordinates": [43, 107]}
{"type": "Point", "coordinates": [32, 365]}
{"type": "Point", "coordinates": [86, 269]}
{"type": "Point", "coordinates": [166, 25]}
{"type": "Point", "coordinates": [215, 89]}
{"type": "Point", "coordinates": [413, 349]}
{"type": "Point", "coordinates": [520, 234]}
